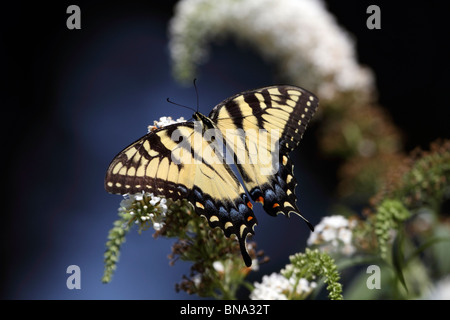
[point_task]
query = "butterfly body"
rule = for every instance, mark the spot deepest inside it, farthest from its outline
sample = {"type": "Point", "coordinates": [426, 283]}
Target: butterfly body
{"type": "Point", "coordinates": [259, 128]}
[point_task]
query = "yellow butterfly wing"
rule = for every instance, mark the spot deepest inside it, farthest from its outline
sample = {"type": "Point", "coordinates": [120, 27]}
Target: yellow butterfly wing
{"type": "Point", "coordinates": [261, 127]}
{"type": "Point", "coordinates": [178, 163]}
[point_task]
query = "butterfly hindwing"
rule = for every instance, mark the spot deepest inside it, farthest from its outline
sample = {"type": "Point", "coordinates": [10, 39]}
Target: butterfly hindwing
{"type": "Point", "coordinates": [273, 120]}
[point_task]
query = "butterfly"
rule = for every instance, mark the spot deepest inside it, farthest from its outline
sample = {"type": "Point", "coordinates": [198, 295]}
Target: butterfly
{"type": "Point", "coordinates": [256, 130]}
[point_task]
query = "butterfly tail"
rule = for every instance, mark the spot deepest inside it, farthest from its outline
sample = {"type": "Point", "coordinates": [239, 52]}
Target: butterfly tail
{"type": "Point", "coordinates": [244, 252]}
{"type": "Point", "coordinates": [311, 227]}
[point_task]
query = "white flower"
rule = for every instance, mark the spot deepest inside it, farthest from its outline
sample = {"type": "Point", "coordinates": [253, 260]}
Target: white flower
{"type": "Point", "coordinates": [305, 286]}
{"type": "Point", "coordinates": [138, 196]}
{"type": "Point", "coordinates": [273, 287]}
{"type": "Point", "coordinates": [154, 200]}
{"type": "Point", "coordinates": [255, 265]}
{"type": "Point", "coordinates": [197, 279]}
{"type": "Point", "coordinates": [163, 206]}
{"type": "Point", "coordinates": [164, 121]}
{"type": "Point", "coordinates": [300, 36]}
{"type": "Point", "coordinates": [135, 205]}
{"type": "Point", "coordinates": [345, 235]}
{"type": "Point", "coordinates": [218, 266]}
{"type": "Point", "coordinates": [126, 203]}
{"type": "Point", "coordinates": [333, 235]}
{"type": "Point", "coordinates": [157, 225]}
{"type": "Point", "coordinates": [278, 287]}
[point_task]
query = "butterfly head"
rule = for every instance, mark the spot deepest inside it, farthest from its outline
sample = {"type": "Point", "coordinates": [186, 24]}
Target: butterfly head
{"type": "Point", "coordinates": [204, 119]}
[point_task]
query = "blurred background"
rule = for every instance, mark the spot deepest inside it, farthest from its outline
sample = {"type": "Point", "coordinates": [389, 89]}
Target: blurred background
{"type": "Point", "coordinates": [72, 99]}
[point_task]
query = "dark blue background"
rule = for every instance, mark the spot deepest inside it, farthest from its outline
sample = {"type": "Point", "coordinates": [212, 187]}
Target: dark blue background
{"type": "Point", "coordinates": [73, 99]}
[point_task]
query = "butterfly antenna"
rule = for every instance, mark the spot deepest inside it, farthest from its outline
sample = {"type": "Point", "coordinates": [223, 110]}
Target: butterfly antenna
{"type": "Point", "coordinates": [196, 92]}
{"type": "Point", "coordinates": [180, 105]}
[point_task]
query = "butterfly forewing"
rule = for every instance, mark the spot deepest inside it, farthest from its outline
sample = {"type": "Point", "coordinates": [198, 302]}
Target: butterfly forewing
{"type": "Point", "coordinates": [146, 165]}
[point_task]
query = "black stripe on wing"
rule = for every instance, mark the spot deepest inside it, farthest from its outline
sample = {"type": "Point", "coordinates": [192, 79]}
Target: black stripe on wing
{"type": "Point", "coordinates": [145, 165]}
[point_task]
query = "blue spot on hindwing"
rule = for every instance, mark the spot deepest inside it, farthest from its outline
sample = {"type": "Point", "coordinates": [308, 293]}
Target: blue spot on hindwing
{"type": "Point", "coordinates": [198, 194]}
{"type": "Point", "coordinates": [223, 212]}
{"type": "Point", "coordinates": [269, 196]}
{"type": "Point", "coordinates": [182, 189]}
{"type": "Point", "coordinates": [243, 209]}
{"type": "Point", "coordinates": [234, 215]}
{"type": "Point", "coordinates": [209, 206]}
{"type": "Point", "coordinates": [281, 182]}
{"type": "Point", "coordinates": [279, 192]}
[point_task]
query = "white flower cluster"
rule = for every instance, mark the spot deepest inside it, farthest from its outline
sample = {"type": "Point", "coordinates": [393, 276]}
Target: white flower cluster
{"type": "Point", "coordinates": [278, 287]}
{"type": "Point", "coordinates": [155, 214]}
{"type": "Point", "coordinates": [300, 36]}
{"type": "Point", "coordinates": [333, 235]}
{"type": "Point", "coordinates": [164, 121]}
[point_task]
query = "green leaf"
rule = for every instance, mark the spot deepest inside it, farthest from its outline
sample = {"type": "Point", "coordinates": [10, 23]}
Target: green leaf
{"type": "Point", "coordinates": [430, 242]}
{"type": "Point", "coordinates": [398, 259]}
